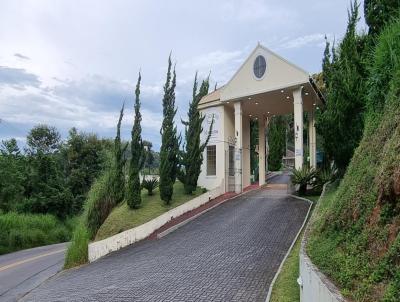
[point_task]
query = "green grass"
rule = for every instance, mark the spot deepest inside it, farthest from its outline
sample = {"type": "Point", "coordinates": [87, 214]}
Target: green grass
{"type": "Point", "coordinates": [286, 288]}
{"type": "Point", "coordinates": [77, 253]}
{"type": "Point", "coordinates": [123, 218]}
{"type": "Point", "coordinates": [22, 231]}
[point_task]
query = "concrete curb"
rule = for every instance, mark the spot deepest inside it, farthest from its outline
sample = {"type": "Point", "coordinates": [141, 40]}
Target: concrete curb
{"type": "Point", "coordinates": [314, 285]}
{"type": "Point", "coordinates": [291, 246]}
{"type": "Point", "coordinates": [101, 248]}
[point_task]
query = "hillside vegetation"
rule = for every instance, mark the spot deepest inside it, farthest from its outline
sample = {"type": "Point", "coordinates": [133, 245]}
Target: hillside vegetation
{"type": "Point", "coordinates": [355, 240]}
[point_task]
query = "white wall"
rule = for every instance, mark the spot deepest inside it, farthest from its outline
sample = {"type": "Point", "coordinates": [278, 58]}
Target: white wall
{"type": "Point", "coordinates": [217, 138]}
{"type": "Point", "coordinates": [103, 247]}
{"type": "Point", "coordinates": [246, 152]}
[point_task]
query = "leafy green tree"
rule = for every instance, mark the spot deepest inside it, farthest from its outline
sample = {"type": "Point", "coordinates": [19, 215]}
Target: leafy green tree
{"type": "Point", "coordinates": [169, 139]}
{"type": "Point", "coordinates": [84, 158]}
{"type": "Point", "coordinates": [118, 167]}
{"type": "Point", "coordinates": [43, 139]}
{"type": "Point", "coordinates": [276, 142]}
{"type": "Point", "coordinates": [133, 193]}
{"type": "Point", "coordinates": [149, 157]}
{"type": "Point", "coordinates": [341, 122]}
{"type": "Point", "coordinates": [192, 155]}
{"type": "Point", "coordinates": [378, 13]}
{"type": "Point", "coordinates": [46, 188]}
{"type": "Point", "coordinates": [12, 176]}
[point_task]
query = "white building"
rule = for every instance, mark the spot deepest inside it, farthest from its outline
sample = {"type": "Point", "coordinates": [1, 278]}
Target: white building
{"type": "Point", "coordinates": [265, 85]}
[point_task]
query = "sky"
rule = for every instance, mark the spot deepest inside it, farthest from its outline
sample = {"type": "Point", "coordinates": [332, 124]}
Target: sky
{"type": "Point", "coordinates": [73, 63]}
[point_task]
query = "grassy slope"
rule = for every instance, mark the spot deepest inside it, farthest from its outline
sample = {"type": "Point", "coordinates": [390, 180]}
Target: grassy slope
{"type": "Point", "coordinates": [286, 288]}
{"type": "Point", "coordinates": [355, 238]}
{"type": "Point", "coordinates": [122, 218]}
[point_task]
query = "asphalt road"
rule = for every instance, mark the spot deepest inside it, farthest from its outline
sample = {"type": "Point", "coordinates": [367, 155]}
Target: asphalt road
{"type": "Point", "coordinates": [22, 271]}
{"type": "Point", "coordinates": [230, 253]}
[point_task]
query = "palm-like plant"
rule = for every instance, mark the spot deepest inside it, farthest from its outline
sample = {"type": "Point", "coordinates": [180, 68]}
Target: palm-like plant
{"type": "Point", "coordinates": [324, 176]}
{"type": "Point", "coordinates": [303, 177]}
{"type": "Point", "coordinates": [150, 185]}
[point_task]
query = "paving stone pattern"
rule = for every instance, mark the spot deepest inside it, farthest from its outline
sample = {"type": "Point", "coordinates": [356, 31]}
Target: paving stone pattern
{"type": "Point", "coordinates": [230, 253]}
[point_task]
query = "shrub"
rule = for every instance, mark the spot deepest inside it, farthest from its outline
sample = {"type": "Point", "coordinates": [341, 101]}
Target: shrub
{"type": "Point", "coordinates": [150, 185]}
{"type": "Point", "coordinates": [98, 206]}
{"type": "Point", "coordinates": [77, 253]}
{"type": "Point", "coordinates": [323, 176]}
{"type": "Point", "coordinates": [99, 203]}
{"type": "Point", "coordinates": [303, 177]}
{"type": "Point", "coordinates": [21, 231]}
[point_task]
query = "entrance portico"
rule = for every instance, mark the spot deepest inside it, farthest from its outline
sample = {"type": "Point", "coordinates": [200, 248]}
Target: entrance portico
{"type": "Point", "coordinates": [266, 85]}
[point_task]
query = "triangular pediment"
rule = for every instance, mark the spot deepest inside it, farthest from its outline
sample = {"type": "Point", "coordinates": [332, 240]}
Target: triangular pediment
{"type": "Point", "coordinates": [279, 74]}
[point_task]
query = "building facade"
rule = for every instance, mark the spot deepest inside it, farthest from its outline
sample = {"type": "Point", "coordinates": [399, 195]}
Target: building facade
{"type": "Point", "coordinates": [265, 85]}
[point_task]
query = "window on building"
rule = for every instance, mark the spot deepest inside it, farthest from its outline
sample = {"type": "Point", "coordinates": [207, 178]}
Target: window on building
{"type": "Point", "coordinates": [231, 160]}
{"type": "Point", "coordinates": [259, 67]}
{"type": "Point", "coordinates": [211, 160]}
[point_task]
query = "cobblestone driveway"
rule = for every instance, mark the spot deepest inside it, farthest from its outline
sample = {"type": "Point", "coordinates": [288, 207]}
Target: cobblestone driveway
{"type": "Point", "coordinates": [230, 253]}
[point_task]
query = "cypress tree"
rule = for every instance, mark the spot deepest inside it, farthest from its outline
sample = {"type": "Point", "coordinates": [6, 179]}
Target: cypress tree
{"type": "Point", "coordinates": [192, 155]}
{"type": "Point", "coordinates": [118, 178]}
{"type": "Point", "coordinates": [133, 196]}
{"type": "Point", "coordinates": [169, 139]}
{"type": "Point", "coordinates": [341, 122]}
{"type": "Point", "coordinates": [276, 142]}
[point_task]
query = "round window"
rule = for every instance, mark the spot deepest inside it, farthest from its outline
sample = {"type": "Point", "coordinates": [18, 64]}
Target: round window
{"type": "Point", "coordinates": [259, 67]}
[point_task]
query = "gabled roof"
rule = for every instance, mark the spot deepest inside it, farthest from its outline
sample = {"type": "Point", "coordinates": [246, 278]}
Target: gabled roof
{"type": "Point", "coordinates": [279, 74]}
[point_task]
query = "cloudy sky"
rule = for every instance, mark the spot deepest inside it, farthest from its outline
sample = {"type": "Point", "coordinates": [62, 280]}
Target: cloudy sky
{"type": "Point", "coordinates": [73, 63]}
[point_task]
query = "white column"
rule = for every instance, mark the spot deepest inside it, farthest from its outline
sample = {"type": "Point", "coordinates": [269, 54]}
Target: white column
{"type": "Point", "coordinates": [238, 146]}
{"type": "Point", "coordinates": [298, 128]}
{"type": "Point", "coordinates": [312, 140]}
{"type": "Point", "coordinates": [261, 151]}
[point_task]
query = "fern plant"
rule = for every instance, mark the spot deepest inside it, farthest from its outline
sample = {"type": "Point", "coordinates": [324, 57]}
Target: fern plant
{"type": "Point", "coordinates": [150, 185]}
{"type": "Point", "coordinates": [303, 177]}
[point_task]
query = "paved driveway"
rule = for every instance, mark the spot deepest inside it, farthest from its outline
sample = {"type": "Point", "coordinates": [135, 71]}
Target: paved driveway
{"type": "Point", "coordinates": [230, 253]}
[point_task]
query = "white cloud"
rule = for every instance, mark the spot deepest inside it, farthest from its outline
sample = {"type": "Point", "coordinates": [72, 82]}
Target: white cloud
{"type": "Point", "coordinates": [308, 40]}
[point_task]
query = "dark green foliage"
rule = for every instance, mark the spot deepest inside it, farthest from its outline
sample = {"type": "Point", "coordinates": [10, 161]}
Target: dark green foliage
{"type": "Point", "coordinates": [323, 176]}
{"type": "Point", "coordinates": [253, 144]}
{"type": "Point", "coordinates": [276, 142]}
{"type": "Point", "coordinates": [133, 196]}
{"type": "Point", "coordinates": [192, 155]}
{"type": "Point", "coordinates": [43, 139]}
{"type": "Point", "coordinates": [118, 174]}
{"type": "Point", "coordinates": [150, 185]}
{"type": "Point", "coordinates": [355, 239]}
{"type": "Point", "coordinates": [378, 13]}
{"type": "Point", "coordinates": [169, 141]}
{"type": "Point", "coordinates": [342, 120]}
{"type": "Point", "coordinates": [46, 188]}
{"type": "Point", "coordinates": [149, 156]}
{"type": "Point", "coordinates": [99, 202]}
{"type": "Point", "coordinates": [84, 158]}
{"type": "Point", "coordinates": [12, 176]}
{"type": "Point", "coordinates": [303, 177]}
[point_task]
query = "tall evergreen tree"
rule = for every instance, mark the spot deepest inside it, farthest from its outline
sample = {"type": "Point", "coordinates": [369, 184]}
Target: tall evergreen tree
{"type": "Point", "coordinates": [192, 155]}
{"type": "Point", "coordinates": [276, 142]}
{"type": "Point", "coordinates": [380, 12]}
{"type": "Point", "coordinates": [341, 122]}
{"type": "Point", "coordinates": [169, 141]}
{"type": "Point", "coordinates": [118, 175]}
{"type": "Point", "coordinates": [133, 196]}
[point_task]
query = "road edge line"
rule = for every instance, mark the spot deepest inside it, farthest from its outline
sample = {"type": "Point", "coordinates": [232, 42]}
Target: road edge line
{"type": "Point", "coordinates": [291, 246]}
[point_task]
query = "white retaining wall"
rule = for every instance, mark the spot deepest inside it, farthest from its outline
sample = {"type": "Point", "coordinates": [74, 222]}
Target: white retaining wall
{"type": "Point", "coordinates": [103, 247]}
{"type": "Point", "coordinates": [314, 285]}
